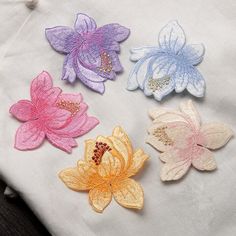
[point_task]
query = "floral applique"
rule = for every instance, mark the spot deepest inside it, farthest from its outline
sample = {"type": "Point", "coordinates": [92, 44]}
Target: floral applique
{"type": "Point", "coordinates": [183, 141]}
{"type": "Point", "coordinates": [171, 65]}
{"type": "Point", "coordinates": [50, 114]}
{"type": "Point", "coordinates": [108, 164]}
{"type": "Point", "coordinates": [91, 52]}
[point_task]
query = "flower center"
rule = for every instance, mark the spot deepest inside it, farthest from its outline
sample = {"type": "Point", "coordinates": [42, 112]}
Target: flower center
{"type": "Point", "coordinates": [158, 84]}
{"type": "Point", "coordinates": [100, 149]}
{"type": "Point", "coordinates": [106, 63]}
{"type": "Point", "coordinates": [161, 135]}
{"type": "Point", "coordinates": [70, 106]}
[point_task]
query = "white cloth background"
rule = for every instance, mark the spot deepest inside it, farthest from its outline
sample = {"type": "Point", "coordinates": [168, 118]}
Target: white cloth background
{"type": "Point", "coordinates": [202, 203]}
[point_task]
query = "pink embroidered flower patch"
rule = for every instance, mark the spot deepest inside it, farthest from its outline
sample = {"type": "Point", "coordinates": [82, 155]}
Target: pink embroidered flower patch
{"type": "Point", "coordinates": [50, 114]}
{"type": "Point", "coordinates": [91, 51]}
{"type": "Point", "coordinates": [183, 141]}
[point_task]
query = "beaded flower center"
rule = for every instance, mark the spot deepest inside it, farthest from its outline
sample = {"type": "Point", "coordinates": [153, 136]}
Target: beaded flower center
{"type": "Point", "coordinates": [70, 106]}
{"type": "Point", "coordinates": [158, 84]}
{"type": "Point", "coordinates": [106, 63]}
{"type": "Point", "coordinates": [161, 135]}
{"type": "Point", "coordinates": [100, 149]}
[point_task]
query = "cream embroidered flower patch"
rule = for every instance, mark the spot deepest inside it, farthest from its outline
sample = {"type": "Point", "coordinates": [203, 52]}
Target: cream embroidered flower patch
{"type": "Point", "coordinates": [184, 141]}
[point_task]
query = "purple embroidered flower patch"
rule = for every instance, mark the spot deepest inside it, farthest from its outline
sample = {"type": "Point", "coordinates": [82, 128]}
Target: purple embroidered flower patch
{"type": "Point", "coordinates": [91, 52]}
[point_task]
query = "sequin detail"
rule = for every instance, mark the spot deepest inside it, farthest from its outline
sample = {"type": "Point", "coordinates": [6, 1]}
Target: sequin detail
{"type": "Point", "coordinates": [158, 84]}
{"type": "Point", "coordinates": [106, 63]}
{"type": "Point", "coordinates": [162, 136]}
{"type": "Point", "coordinates": [70, 106]}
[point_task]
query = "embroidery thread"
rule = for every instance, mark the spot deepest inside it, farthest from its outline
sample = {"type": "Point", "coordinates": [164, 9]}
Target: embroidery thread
{"type": "Point", "coordinates": [50, 114]}
{"type": "Point", "coordinates": [171, 65]}
{"type": "Point", "coordinates": [183, 141]}
{"type": "Point", "coordinates": [91, 52]}
{"type": "Point", "coordinates": [106, 170]}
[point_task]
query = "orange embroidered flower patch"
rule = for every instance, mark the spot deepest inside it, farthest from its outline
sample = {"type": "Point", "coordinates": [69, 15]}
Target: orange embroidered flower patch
{"type": "Point", "coordinates": [108, 164]}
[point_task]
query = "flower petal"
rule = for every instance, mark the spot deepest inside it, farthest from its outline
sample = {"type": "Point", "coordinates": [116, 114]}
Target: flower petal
{"type": "Point", "coordinates": [68, 72]}
{"type": "Point", "coordinates": [89, 124]}
{"type": "Point", "coordinates": [64, 143]}
{"type": "Point", "coordinates": [165, 156]}
{"type": "Point", "coordinates": [181, 78]}
{"type": "Point", "coordinates": [159, 80]}
{"type": "Point", "coordinates": [75, 98]}
{"type": "Point", "coordinates": [89, 74]}
{"type": "Point", "coordinates": [114, 31]}
{"type": "Point", "coordinates": [203, 159]}
{"type": "Point", "coordinates": [176, 166]}
{"type": "Point", "coordinates": [121, 148]}
{"type": "Point", "coordinates": [196, 83]}
{"type": "Point", "coordinates": [29, 135]}
{"type": "Point", "coordinates": [159, 93]}
{"type": "Point", "coordinates": [215, 135]}
{"type": "Point", "coordinates": [89, 149]}
{"type": "Point", "coordinates": [138, 74]}
{"type": "Point", "coordinates": [119, 133]}
{"type": "Point", "coordinates": [43, 80]}
{"type": "Point", "coordinates": [79, 178]}
{"type": "Point", "coordinates": [96, 86]}
{"type": "Point", "coordinates": [128, 193]}
{"type": "Point", "coordinates": [170, 116]}
{"type": "Point", "coordinates": [110, 166]}
{"type": "Point", "coordinates": [172, 37]}
{"type": "Point", "coordinates": [139, 53]}
{"type": "Point", "coordinates": [41, 91]}
{"type": "Point", "coordinates": [84, 24]}
{"type": "Point", "coordinates": [189, 109]}
{"type": "Point", "coordinates": [90, 54]}
{"type": "Point", "coordinates": [156, 143]}
{"type": "Point", "coordinates": [155, 112]}
{"type": "Point", "coordinates": [138, 160]}
{"type": "Point", "coordinates": [58, 38]}
{"type": "Point", "coordinates": [55, 118]}
{"type": "Point", "coordinates": [116, 65]}
{"type": "Point", "coordinates": [175, 134]}
{"type": "Point", "coordinates": [194, 53]}
{"type": "Point", "coordinates": [100, 197]}
{"type": "Point", "coordinates": [23, 110]}
{"type": "Point", "coordinates": [73, 127]}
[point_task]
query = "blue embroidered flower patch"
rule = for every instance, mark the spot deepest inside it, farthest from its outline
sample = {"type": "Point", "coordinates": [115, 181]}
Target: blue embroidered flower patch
{"type": "Point", "coordinates": [169, 66]}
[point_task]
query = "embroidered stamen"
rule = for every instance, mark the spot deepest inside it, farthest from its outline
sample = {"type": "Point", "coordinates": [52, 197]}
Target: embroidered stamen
{"type": "Point", "coordinates": [106, 63]}
{"type": "Point", "coordinates": [70, 106]}
{"type": "Point", "coordinates": [100, 149]}
{"type": "Point", "coordinates": [158, 84]}
{"type": "Point", "coordinates": [162, 136]}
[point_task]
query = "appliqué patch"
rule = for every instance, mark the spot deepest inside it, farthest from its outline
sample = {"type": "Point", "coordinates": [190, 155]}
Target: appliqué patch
{"type": "Point", "coordinates": [50, 114]}
{"type": "Point", "coordinates": [183, 141]}
{"type": "Point", "coordinates": [171, 65]}
{"type": "Point", "coordinates": [91, 52]}
{"type": "Point", "coordinates": [106, 170]}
